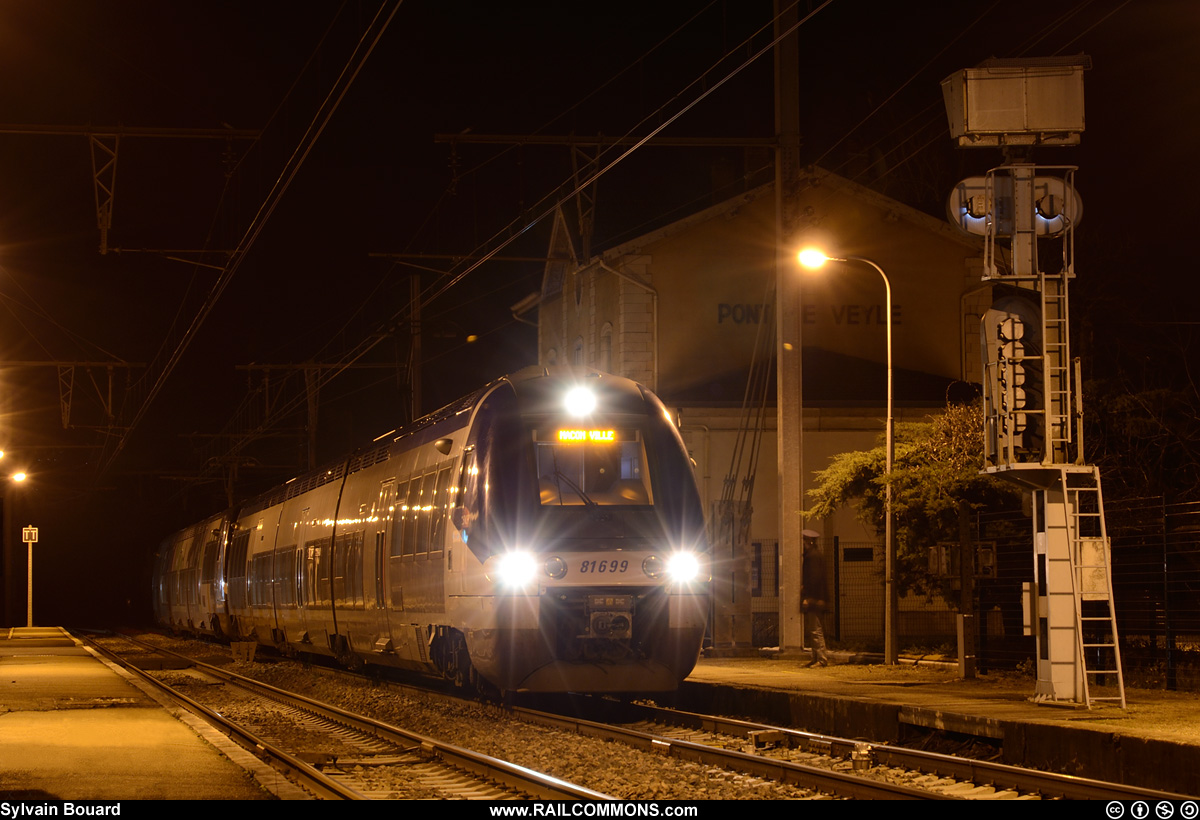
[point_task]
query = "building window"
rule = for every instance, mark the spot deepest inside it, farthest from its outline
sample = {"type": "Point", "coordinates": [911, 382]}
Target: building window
{"type": "Point", "coordinates": [605, 362]}
{"type": "Point", "coordinates": [552, 356]}
{"type": "Point", "coordinates": [577, 353]}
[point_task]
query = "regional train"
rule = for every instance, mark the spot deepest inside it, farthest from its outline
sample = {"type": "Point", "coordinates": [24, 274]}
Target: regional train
{"type": "Point", "coordinates": [543, 534]}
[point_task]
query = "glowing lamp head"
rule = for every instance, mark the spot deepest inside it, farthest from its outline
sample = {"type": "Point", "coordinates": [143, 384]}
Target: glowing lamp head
{"type": "Point", "coordinates": [19, 477]}
{"type": "Point", "coordinates": [813, 258]}
{"type": "Point", "coordinates": [580, 401]}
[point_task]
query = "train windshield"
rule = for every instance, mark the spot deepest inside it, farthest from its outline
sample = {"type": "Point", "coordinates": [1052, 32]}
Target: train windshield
{"type": "Point", "coordinates": [586, 466]}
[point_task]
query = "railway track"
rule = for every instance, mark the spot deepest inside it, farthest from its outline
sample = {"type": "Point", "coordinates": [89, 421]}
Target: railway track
{"type": "Point", "coordinates": [714, 737]}
{"type": "Point", "coordinates": [772, 759]}
{"type": "Point", "coordinates": [329, 751]}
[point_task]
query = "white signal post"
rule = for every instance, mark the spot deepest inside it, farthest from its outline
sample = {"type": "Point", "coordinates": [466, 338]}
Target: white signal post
{"type": "Point", "coordinates": [30, 536]}
{"type": "Point", "coordinates": [1032, 411]}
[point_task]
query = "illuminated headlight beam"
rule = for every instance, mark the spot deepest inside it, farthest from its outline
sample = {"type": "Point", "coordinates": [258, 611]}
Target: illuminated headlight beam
{"type": "Point", "coordinates": [580, 401]}
{"type": "Point", "coordinates": [515, 569]}
{"type": "Point", "coordinates": [683, 567]}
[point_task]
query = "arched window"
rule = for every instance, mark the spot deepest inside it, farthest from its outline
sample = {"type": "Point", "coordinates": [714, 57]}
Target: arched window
{"type": "Point", "coordinates": [552, 357]}
{"type": "Point", "coordinates": [605, 362]}
{"type": "Point", "coordinates": [577, 353]}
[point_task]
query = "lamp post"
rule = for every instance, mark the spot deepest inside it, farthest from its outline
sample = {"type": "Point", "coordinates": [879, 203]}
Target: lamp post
{"type": "Point", "coordinates": [8, 486]}
{"type": "Point", "coordinates": [813, 258]}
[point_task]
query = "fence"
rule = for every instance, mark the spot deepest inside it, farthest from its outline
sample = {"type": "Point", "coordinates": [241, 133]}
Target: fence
{"type": "Point", "coordinates": [1156, 586]}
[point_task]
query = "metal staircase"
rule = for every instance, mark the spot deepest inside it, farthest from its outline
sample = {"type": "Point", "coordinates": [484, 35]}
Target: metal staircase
{"type": "Point", "coordinates": [1091, 579]}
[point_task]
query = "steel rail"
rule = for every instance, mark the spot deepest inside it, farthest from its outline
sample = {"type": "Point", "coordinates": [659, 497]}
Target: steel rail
{"type": "Point", "coordinates": [520, 778]}
{"type": "Point", "coordinates": [1001, 775]}
{"type": "Point", "coordinates": [319, 784]}
{"type": "Point", "coordinates": [783, 771]}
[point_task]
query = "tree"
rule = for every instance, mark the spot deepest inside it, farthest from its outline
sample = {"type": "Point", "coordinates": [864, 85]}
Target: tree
{"type": "Point", "coordinates": [935, 480]}
{"type": "Point", "coordinates": [1145, 442]}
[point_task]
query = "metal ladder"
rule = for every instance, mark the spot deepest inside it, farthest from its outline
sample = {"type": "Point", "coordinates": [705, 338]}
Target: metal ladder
{"type": "Point", "coordinates": [1091, 580]}
{"type": "Point", "coordinates": [1056, 358]}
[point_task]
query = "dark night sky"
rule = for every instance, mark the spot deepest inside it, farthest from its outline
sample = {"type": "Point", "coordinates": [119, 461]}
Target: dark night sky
{"type": "Point", "coordinates": [376, 182]}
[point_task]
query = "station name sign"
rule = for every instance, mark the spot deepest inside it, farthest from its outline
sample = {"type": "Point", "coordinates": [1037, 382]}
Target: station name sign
{"type": "Point", "coordinates": [811, 314]}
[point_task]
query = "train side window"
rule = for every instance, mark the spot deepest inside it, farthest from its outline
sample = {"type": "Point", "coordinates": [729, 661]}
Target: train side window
{"type": "Point", "coordinates": [341, 545]}
{"type": "Point", "coordinates": [309, 561]}
{"type": "Point", "coordinates": [411, 509]}
{"type": "Point", "coordinates": [347, 569]}
{"type": "Point", "coordinates": [467, 491]}
{"type": "Point", "coordinates": [439, 505]}
{"type": "Point", "coordinates": [208, 568]}
{"type": "Point", "coordinates": [401, 501]}
{"type": "Point", "coordinates": [259, 573]}
{"type": "Point", "coordinates": [235, 566]}
{"type": "Point", "coordinates": [285, 572]}
{"type": "Point", "coordinates": [354, 570]}
{"type": "Point", "coordinates": [384, 527]}
{"type": "Point", "coordinates": [319, 550]}
{"type": "Point", "coordinates": [425, 512]}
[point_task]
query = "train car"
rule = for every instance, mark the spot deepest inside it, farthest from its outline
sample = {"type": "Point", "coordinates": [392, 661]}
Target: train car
{"type": "Point", "coordinates": [543, 534]}
{"type": "Point", "coordinates": [188, 590]}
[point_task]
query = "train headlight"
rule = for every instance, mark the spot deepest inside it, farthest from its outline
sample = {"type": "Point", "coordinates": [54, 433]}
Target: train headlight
{"type": "Point", "coordinates": [580, 401]}
{"type": "Point", "coordinates": [515, 569]}
{"type": "Point", "coordinates": [678, 567]}
{"type": "Point", "coordinates": [683, 567]}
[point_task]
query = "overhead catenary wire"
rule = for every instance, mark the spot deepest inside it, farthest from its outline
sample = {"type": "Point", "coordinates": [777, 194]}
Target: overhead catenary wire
{"type": "Point", "coordinates": [516, 228]}
{"type": "Point", "coordinates": [363, 49]}
{"type": "Point", "coordinates": [545, 207]}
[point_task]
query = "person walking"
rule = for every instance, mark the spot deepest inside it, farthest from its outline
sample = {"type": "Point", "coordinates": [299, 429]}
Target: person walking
{"type": "Point", "coordinates": [814, 597]}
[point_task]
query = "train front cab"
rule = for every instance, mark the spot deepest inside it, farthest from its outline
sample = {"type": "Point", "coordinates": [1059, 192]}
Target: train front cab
{"type": "Point", "coordinates": [583, 562]}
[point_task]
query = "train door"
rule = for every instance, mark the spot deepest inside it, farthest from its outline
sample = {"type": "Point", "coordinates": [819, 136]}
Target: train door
{"type": "Point", "coordinates": [456, 527]}
{"type": "Point", "coordinates": [258, 573]}
{"type": "Point", "coordinates": [182, 588]}
{"type": "Point", "coordinates": [415, 566]}
{"type": "Point", "coordinates": [422, 567]}
{"type": "Point", "coordinates": [439, 508]}
{"type": "Point", "coordinates": [212, 586]}
{"type": "Point", "coordinates": [403, 541]}
{"type": "Point", "coordinates": [385, 510]}
{"type": "Point", "coordinates": [300, 571]}
{"type": "Point", "coordinates": [234, 576]}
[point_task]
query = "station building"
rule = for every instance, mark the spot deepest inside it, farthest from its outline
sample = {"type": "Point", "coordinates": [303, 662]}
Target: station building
{"type": "Point", "coordinates": [688, 310]}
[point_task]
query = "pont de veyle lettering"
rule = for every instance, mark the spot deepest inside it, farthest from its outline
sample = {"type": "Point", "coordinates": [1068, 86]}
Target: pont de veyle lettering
{"type": "Point", "coordinates": [810, 314]}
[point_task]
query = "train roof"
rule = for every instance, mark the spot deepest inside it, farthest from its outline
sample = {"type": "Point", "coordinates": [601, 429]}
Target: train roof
{"type": "Point", "coordinates": [539, 389]}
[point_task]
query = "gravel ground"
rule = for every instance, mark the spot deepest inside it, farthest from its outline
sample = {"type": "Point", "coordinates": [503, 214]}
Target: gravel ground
{"type": "Point", "coordinates": [606, 767]}
{"type": "Point", "coordinates": [610, 768]}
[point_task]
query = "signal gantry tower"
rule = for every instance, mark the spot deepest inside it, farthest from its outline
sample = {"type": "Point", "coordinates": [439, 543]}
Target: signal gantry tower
{"type": "Point", "coordinates": [1033, 433]}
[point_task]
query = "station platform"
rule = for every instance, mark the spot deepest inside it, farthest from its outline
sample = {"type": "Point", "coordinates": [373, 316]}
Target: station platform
{"type": "Point", "coordinates": [1153, 743]}
{"type": "Point", "coordinates": [74, 728]}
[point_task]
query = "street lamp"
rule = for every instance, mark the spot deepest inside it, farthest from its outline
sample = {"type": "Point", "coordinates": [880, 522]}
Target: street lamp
{"type": "Point", "coordinates": [9, 483]}
{"type": "Point", "coordinates": [814, 258]}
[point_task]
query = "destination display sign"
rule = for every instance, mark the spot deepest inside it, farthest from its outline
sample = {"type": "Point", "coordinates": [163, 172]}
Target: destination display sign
{"type": "Point", "coordinates": [573, 436]}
